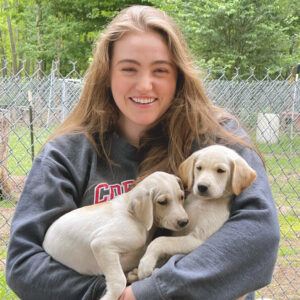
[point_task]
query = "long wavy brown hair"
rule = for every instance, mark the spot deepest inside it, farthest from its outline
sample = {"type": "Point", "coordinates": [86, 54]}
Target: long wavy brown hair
{"type": "Point", "coordinates": [191, 118]}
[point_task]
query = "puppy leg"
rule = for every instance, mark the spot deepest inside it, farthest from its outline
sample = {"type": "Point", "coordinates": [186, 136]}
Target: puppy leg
{"type": "Point", "coordinates": [132, 276]}
{"type": "Point", "coordinates": [165, 246]}
{"type": "Point", "coordinates": [109, 261]}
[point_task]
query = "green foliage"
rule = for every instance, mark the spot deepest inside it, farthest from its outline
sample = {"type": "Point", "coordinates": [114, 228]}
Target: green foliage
{"type": "Point", "coordinates": [79, 23]}
{"type": "Point", "coordinates": [240, 34]}
{"type": "Point", "coordinates": [60, 30]}
{"type": "Point", "coordinates": [221, 34]}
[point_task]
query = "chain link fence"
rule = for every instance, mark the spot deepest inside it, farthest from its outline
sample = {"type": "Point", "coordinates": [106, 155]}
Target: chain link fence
{"type": "Point", "coordinates": [31, 106]}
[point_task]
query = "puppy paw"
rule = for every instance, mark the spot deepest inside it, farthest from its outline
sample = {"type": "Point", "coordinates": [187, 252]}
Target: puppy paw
{"type": "Point", "coordinates": [107, 297]}
{"type": "Point", "coordinates": [132, 276]}
{"type": "Point", "coordinates": [146, 266]}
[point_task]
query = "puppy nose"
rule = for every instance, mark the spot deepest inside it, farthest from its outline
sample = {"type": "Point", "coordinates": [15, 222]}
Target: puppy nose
{"type": "Point", "coordinates": [183, 222]}
{"type": "Point", "coordinates": [202, 188]}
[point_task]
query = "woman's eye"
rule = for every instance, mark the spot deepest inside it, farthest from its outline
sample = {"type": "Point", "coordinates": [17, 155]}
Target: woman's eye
{"type": "Point", "coordinates": [161, 71]}
{"type": "Point", "coordinates": [163, 201]}
{"type": "Point", "coordinates": [221, 170]}
{"type": "Point", "coordinates": [128, 70]}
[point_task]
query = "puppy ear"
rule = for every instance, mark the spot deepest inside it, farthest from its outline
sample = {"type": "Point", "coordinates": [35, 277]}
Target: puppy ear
{"type": "Point", "coordinates": [242, 175]}
{"type": "Point", "coordinates": [186, 171]}
{"type": "Point", "coordinates": [141, 207]}
{"type": "Point", "coordinates": [180, 183]}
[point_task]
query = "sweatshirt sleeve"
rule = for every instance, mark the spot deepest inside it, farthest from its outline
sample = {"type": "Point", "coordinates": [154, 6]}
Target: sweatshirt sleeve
{"type": "Point", "coordinates": [237, 259]}
{"type": "Point", "coordinates": [53, 188]}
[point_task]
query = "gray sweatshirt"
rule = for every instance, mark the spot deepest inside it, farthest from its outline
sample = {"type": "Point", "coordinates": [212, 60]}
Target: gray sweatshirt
{"type": "Point", "coordinates": [68, 174]}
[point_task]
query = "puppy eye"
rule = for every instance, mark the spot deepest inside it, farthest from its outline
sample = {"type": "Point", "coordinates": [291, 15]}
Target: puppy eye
{"type": "Point", "coordinates": [181, 197]}
{"type": "Point", "coordinates": [199, 168]}
{"type": "Point", "coordinates": [163, 201]}
{"type": "Point", "coordinates": [221, 170]}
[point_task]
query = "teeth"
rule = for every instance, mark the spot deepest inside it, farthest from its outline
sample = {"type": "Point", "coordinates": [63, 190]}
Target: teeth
{"type": "Point", "coordinates": [143, 100]}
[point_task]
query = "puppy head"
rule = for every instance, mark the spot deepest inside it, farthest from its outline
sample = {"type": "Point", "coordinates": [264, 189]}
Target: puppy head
{"type": "Point", "coordinates": [216, 171]}
{"type": "Point", "coordinates": [211, 173]}
{"type": "Point", "coordinates": [168, 197]}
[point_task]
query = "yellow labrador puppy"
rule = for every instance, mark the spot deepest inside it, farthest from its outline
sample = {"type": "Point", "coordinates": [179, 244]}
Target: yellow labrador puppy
{"type": "Point", "coordinates": [212, 176]}
{"type": "Point", "coordinates": [110, 238]}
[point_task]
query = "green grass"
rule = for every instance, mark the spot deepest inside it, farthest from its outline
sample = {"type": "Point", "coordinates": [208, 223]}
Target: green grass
{"type": "Point", "coordinates": [2, 252]}
{"type": "Point", "coordinates": [278, 156]}
{"type": "Point", "coordinates": [20, 153]}
{"type": "Point", "coordinates": [282, 164]}
{"type": "Point", "coordinates": [286, 144]}
{"type": "Point", "coordinates": [5, 292]}
{"type": "Point", "coordinates": [286, 193]}
{"type": "Point", "coordinates": [288, 251]}
{"type": "Point", "coordinates": [7, 204]}
{"type": "Point", "coordinates": [289, 226]}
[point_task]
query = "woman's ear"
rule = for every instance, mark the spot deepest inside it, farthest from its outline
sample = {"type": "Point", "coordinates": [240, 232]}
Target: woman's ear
{"type": "Point", "coordinates": [186, 172]}
{"type": "Point", "coordinates": [242, 175]}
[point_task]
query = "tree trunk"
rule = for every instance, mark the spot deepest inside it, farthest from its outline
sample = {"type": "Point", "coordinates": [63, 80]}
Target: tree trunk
{"type": "Point", "coordinates": [3, 56]}
{"type": "Point", "coordinates": [38, 23]}
{"type": "Point", "coordinates": [27, 67]}
{"type": "Point", "coordinates": [12, 41]}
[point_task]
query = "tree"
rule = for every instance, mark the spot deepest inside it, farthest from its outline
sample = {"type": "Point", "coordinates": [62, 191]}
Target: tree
{"type": "Point", "coordinates": [11, 37]}
{"type": "Point", "coordinates": [3, 55]}
{"type": "Point", "coordinates": [60, 30]}
{"type": "Point", "coordinates": [290, 20]}
{"type": "Point", "coordinates": [235, 34]}
{"type": "Point", "coordinates": [221, 33]}
{"type": "Point", "coordinates": [78, 23]}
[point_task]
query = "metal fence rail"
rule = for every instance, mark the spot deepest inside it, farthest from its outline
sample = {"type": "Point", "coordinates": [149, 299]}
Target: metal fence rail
{"type": "Point", "coordinates": [31, 106]}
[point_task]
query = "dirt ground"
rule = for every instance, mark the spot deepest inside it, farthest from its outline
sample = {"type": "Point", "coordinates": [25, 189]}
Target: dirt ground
{"type": "Point", "coordinates": [285, 283]}
{"type": "Point", "coordinates": [286, 280]}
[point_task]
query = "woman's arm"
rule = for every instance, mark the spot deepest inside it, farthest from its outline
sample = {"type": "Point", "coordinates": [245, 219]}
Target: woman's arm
{"type": "Point", "coordinates": [52, 188]}
{"type": "Point", "coordinates": [237, 259]}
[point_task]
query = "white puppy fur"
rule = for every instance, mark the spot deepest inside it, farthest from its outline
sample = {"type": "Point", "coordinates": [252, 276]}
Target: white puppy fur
{"type": "Point", "coordinates": [212, 175]}
{"type": "Point", "coordinates": [110, 238]}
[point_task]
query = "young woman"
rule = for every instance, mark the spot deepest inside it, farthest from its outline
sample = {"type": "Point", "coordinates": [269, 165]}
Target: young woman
{"type": "Point", "coordinates": [142, 109]}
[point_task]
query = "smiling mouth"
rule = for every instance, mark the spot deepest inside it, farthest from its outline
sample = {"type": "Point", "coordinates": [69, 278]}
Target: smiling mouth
{"type": "Point", "coordinates": [142, 100]}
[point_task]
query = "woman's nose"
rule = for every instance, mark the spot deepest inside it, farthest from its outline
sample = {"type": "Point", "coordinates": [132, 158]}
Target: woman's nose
{"type": "Point", "coordinates": [144, 83]}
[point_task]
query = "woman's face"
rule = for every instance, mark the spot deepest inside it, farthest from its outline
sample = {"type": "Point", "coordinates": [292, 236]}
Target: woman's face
{"type": "Point", "coordinates": [143, 81]}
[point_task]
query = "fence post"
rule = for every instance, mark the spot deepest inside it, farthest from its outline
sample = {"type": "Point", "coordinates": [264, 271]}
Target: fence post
{"type": "Point", "coordinates": [294, 100]}
{"type": "Point", "coordinates": [31, 125]}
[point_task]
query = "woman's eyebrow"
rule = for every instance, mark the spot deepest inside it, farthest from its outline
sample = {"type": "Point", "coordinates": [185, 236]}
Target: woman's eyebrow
{"type": "Point", "coordinates": [132, 61]}
{"type": "Point", "coordinates": [166, 62]}
{"type": "Point", "coordinates": [156, 62]}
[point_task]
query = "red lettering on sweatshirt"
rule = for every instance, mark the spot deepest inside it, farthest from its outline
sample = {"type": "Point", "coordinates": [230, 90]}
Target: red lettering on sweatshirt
{"type": "Point", "coordinates": [126, 185]}
{"type": "Point", "coordinates": [105, 192]}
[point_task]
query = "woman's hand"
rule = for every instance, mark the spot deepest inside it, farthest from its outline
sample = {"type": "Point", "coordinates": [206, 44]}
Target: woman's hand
{"type": "Point", "coordinates": [127, 294]}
